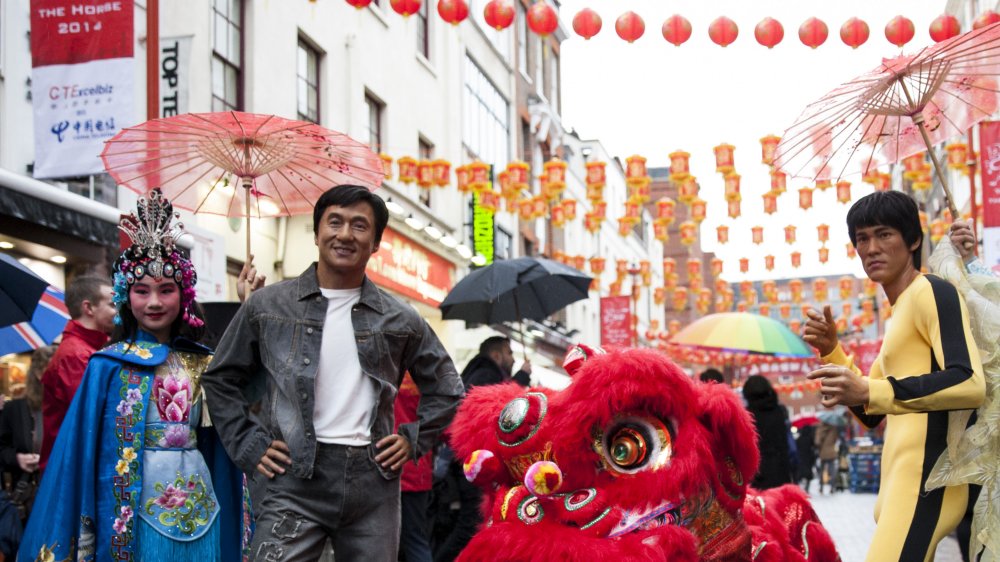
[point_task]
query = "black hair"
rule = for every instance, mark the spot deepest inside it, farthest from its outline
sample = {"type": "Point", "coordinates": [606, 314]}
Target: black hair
{"type": "Point", "coordinates": [127, 329]}
{"type": "Point", "coordinates": [85, 288]}
{"type": "Point", "coordinates": [894, 209]}
{"type": "Point", "coordinates": [493, 343]}
{"type": "Point", "coordinates": [347, 195]}
{"type": "Point", "coordinates": [759, 393]}
{"type": "Point", "coordinates": [711, 375]}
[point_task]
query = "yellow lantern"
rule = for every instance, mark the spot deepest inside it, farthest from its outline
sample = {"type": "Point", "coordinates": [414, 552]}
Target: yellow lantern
{"type": "Point", "coordinates": [824, 255]}
{"type": "Point", "coordinates": [688, 190]}
{"type": "Point", "coordinates": [679, 165]}
{"type": "Point", "coordinates": [785, 310]}
{"type": "Point", "coordinates": [569, 209]}
{"type": "Point", "coordinates": [525, 208]}
{"type": "Point", "coordinates": [790, 234]}
{"type": "Point", "coordinates": [716, 265]}
{"type": "Point", "coordinates": [489, 200]}
{"type": "Point", "coordinates": [795, 288]}
{"type": "Point", "coordinates": [386, 165]}
{"type": "Point", "coordinates": [442, 172]}
{"type": "Point", "coordinates": [912, 166]}
{"type": "Point", "coordinates": [747, 290]}
{"type": "Point", "coordinates": [823, 232]}
{"type": "Point", "coordinates": [732, 186]}
{"type": "Point", "coordinates": [823, 184]}
{"type": "Point", "coordinates": [596, 174]}
{"type": "Point", "coordinates": [519, 175]}
{"type": "Point", "coordinates": [661, 231]}
{"type": "Point", "coordinates": [425, 174]}
{"type": "Point", "coordinates": [938, 229]}
{"type": "Point", "coordinates": [734, 209]}
{"type": "Point", "coordinates": [597, 265]}
{"type": "Point", "coordinates": [796, 259]}
{"type": "Point", "coordinates": [770, 202]}
{"type": "Point", "coordinates": [778, 180]}
{"type": "Point", "coordinates": [407, 169]}
{"type": "Point", "coordinates": [554, 178]}
{"type": "Point", "coordinates": [633, 212]}
{"type": "Point", "coordinates": [595, 192]}
{"type": "Point", "coordinates": [689, 232]}
{"type": "Point", "coordinates": [846, 308]}
{"type": "Point", "coordinates": [592, 223]}
{"type": "Point", "coordinates": [625, 226]}
{"type": "Point", "coordinates": [615, 288]}
{"type": "Point", "coordinates": [869, 287]}
{"type": "Point", "coordinates": [722, 233]}
{"type": "Point", "coordinates": [744, 265]}
{"type": "Point", "coordinates": [579, 262]}
{"type": "Point", "coordinates": [635, 170]}
{"type": "Point", "coordinates": [852, 252]}
{"type": "Point", "coordinates": [694, 267]}
{"type": "Point", "coordinates": [758, 234]}
{"type": "Point", "coordinates": [680, 298]}
{"type": "Point", "coordinates": [479, 175]}
{"type": "Point", "coordinates": [462, 174]}
{"type": "Point", "coordinates": [805, 198]}
{"type": "Point", "coordinates": [644, 267]}
{"type": "Point", "coordinates": [958, 156]}
{"type": "Point", "coordinates": [820, 289]}
{"type": "Point", "coordinates": [669, 266]}
{"type": "Point", "coordinates": [698, 210]}
{"type": "Point", "coordinates": [846, 287]}
{"type": "Point", "coordinates": [724, 160]}
{"type": "Point", "coordinates": [665, 210]}
{"type": "Point", "coordinates": [883, 182]}
{"type": "Point", "coordinates": [869, 171]}
{"type": "Point", "coordinates": [621, 268]}
{"type": "Point", "coordinates": [600, 209]}
{"type": "Point", "coordinates": [844, 191]}
{"type": "Point", "coordinates": [670, 280]}
{"type": "Point", "coordinates": [768, 148]}
{"type": "Point", "coordinates": [769, 262]}
{"type": "Point", "coordinates": [558, 216]}
{"type": "Point", "coordinates": [770, 290]}
{"type": "Point", "coordinates": [659, 295]}
{"type": "Point", "coordinates": [673, 327]}
{"type": "Point", "coordinates": [764, 309]}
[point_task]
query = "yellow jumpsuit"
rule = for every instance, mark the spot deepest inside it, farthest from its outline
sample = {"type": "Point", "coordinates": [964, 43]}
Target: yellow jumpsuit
{"type": "Point", "coordinates": [928, 364]}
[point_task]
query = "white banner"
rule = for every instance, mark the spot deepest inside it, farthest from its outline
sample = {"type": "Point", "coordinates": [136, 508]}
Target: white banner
{"type": "Point", "coordinates": [991, 248]}
{"type": "Point", "coordinates": [175, 75]}
{"type": "Point", "coordinates": [77, 107]}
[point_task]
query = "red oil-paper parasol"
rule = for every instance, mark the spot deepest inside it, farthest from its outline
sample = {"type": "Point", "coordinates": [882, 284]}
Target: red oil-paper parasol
{"type": "Point", "coordinates": [238, 164]}
{"type": "Point", "coordinates": [903, 107]}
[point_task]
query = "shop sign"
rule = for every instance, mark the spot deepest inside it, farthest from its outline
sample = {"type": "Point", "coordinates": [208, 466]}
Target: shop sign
{"type": "Point", "coordinates": [482, 230]}
{"type": "Point", "coordinates": [406, 267]}
{"type": "Point", "coordinates": [616, 316]}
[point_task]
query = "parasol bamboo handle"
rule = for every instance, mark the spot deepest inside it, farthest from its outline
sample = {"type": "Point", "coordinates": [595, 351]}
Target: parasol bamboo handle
{"type": "Point", "coordinates": [247, 183]}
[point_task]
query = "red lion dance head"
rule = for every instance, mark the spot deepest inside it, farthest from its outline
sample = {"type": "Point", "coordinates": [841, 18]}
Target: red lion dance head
{"type": "Point", "coordinates": [632, 462]}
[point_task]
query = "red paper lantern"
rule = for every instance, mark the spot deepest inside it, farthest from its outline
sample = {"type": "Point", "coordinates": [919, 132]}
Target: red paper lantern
{"type": "Point", "coordinates": [824, 255]}
{"type": "Point", "coordinates": [795, 287]}
{"type": "Point", "coordinates": [689, 232]}
{"type": "Point", "coordinates": [899, 31]}
{"type": "Point", "coordinates": [405, 8]}
{"type": "Point", "coordinates": [734, 209]}
{"type": "Point", "coordinates": [518, 175]}
{"type": "Point", "coordinates": [958, 156]}
{"type": "Point", "coordinates": [679, 167]}
{"type": "Point", "coordinates": [669, 266]}
{"type": "Point", "coordinates": [769, 32]}
{"type": "Point", "coordinates": [823, 233]}
{"type": "Point", "coordinates": [820, 289]}
{"type": "Point", "coordinates": [688, 190]}
{"type": "Point", "coordinates": [407, 169]}
{"type": "Point", "coordinates": [844, 191]}
{"type": "Point", "coordinates": [744, 265]}
{"type": "Point", "coordinates": [769, 262]}
{"type": "Point", "coordinates": [806, 198]}
{"type": "Point", "coordinates": [629, 26]}
{"type": "Point", "coordinates": [732, 186]}
{"type": "Point", "coordinates": [768, 148]}
{"type": "Point", "coordinates": [724, 158]}
{"type": "Point", "coordinates": [854, 33]}
{"type": "Point", "coordinates": [790, 234]}
{"type": "Point", "coordinates": [770, 203]}
{"type": "Point", "coordinates": [722, 232]}
{"type": "Point", "coordinates": [778, 179]}
{"type": "Point", "coordinates": [813, 32]}
{"type": "Point", "coordinates": [462, 176]}
{"type": "Point", "coordinates": [796, 259]}
{"type": "Point", "coordinates": [597, 265]}
{"type": "Point", "coordinates": [665, 210]}
{"type": "Point", "coordinates": [596, 175]}
{"type": "Point", "coordinates": [499, 14]}
{"type": "Point", "coordinates": [587, 23]}
{"type": "Point", "coordinates": [569, 208]}
{"type": "Point", "coordinates": [635, 170]}
{"type": "Point", "coordinates": [694, 267]}
{"type": "Point", "coordinates": [989, 17]}
{"type": "Point", "coordinates": [944, 27]}
{"type": "Point", "coordinates": [676, 30]}
{"type": "Point", "coordinates": [359, 3]}
{"type": "Point", "coordinates": [425, 174]}
{"type": "Point", "coordinates": [442, 172]}
{"type": "Point", "coordinates": [757, 232]}
{"type": "Point", "coordinates": [723, 31]}
{"type": "Point", "coordinates": [453, 11]}
{"type": "Point", "coordinates": [698, 209]}
{"type": "Point", "coordinates": [542, 18]}
{"type": "Point", "coordinates": [716, 267]}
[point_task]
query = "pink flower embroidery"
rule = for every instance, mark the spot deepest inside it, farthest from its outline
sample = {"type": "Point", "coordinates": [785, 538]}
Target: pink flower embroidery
{"type": "Point", "coordinates": [176, 437]}
{"type": "Point", "coordinates": [127, 513]}
{"type": "Point", "coordinates": [119, 526]}
{"type": "Point", "coordinates": [172, 497]}
{"type": "Point", "coordinates": [172, 398]}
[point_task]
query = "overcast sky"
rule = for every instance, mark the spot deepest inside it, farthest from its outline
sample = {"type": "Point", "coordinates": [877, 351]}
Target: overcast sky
{"type": "Point", "coordinates": [651, 98]}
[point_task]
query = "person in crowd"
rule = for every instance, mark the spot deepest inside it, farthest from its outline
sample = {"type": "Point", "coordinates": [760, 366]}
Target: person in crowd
{"type": "Point", "coordinates": [827, 441]}
{"type": "Point", "coordinates": [21, 435]}
{"type": "Point", "coordinates": [133, 474]}
{"type": "Point", "coordinates": [928, 365]}
{"type": "Point", "coordinates": [806, 470]}
{"type": "Point", "coordinates": [88, 300]}
{"type": "Point", "coordinates": [328, 351]}
{"type": "Point", "coordinates": [493, 365]}
{"type": "Point", "coordinates": [771, 420]}
{"type": "Point", "coordinates": [711, 375]}
{"type": "Point", "coordinates": [416, 482]}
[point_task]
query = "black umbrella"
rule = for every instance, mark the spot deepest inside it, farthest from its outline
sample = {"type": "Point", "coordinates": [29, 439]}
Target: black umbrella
{"type": "Point", "coordinates": [20, 290]}
{"type": "Point", "coordinates": [518, 289]}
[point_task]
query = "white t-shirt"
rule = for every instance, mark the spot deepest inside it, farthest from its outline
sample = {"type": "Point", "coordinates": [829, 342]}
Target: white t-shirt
{"type": "Point", "coordinates": [344, 395]}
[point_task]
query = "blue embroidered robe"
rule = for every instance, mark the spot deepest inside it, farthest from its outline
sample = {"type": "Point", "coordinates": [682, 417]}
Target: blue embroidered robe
{"type": "Point", "coordinates": [91, 496]}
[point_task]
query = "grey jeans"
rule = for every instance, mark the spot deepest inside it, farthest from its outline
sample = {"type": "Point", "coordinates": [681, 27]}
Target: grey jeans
{"type": "Point", "coordinates": [346, 500]}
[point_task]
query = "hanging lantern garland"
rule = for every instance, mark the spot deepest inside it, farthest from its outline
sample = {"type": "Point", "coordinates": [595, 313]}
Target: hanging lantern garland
{"type": "Point", "coordinates": [723, 31]}
{"type": "Point", "coordinates": [629, 26]}
{"type": "Point", "coordinates": [499, 14]}
{"type": "Point", "coordinates": [813, 32]}
{"type": "Point", "coordinates": [944, 27]}
{"type": "Point", "coordinates": [676, 30]}
{"type": "Point", "coordinates": [542, 18]}
{"type": "Point", "coordinates": [854, 33]}
{"type": "Point", "coordinates": [453, 11]}
{"type": "Point", "coordinates": [769, 32]}
{"type": "Point", "coordinates": [899, 31]}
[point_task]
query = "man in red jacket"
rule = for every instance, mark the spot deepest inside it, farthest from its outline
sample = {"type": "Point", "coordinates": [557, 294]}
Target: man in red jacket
{"type": "Point", "coordinates": [88, 300]}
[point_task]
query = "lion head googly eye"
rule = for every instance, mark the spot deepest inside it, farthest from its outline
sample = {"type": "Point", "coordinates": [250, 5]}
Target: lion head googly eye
{"type": "Point", "coordinates": [629, 445]}
{"type": "Point", "coordinates": [521, 418]}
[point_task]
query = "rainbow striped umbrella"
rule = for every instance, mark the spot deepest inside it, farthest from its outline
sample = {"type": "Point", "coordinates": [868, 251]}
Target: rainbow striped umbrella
{"type": "Point", "coordinates": [47, 322]}
{"type": "Point", "coordinates": [743, 332]}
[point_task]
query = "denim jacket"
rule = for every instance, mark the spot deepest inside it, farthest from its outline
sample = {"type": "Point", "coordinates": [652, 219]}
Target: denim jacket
{"type": "Point", "coordinates": [273, 342]}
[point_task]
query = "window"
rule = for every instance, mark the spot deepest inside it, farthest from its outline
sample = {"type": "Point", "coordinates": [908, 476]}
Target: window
{"type": "Point", "coordinates": [522, 39]}
{"type": "Point", "coordinates": [503, 244]}
{"type": "Point", "coordinates": [423, 31]}
{"type": "Point", "coordinates": [486, 118]}
{"type": "Point", "coordinates": [374, 109]}
{"type": "Point", "coordinates": [426, 151]}
{"type": "Point", "coordinates": [227, 55]}
{"type": "Point", "coordinates": [307, 71]}
{"type": "Point", "coordinates": [554, 83]}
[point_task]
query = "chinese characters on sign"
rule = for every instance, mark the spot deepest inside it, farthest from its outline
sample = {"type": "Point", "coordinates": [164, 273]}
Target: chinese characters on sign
{"type": "Point", "coordinates": [404, 266]}
{"type": "Point", "coordinates": [989, 154]}
{"type": "Point", "coordinates": [81, 82]}
{"type": "Point", "coordinates": [616, 318]}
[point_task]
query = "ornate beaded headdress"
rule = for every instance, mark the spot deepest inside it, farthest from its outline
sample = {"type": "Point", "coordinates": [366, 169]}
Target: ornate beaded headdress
{"type": "Point", "coordinates": [154, 253]}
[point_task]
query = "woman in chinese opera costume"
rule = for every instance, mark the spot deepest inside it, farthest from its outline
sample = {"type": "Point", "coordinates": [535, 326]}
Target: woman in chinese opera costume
{"type": "Point", "coordinates": [136, 474]}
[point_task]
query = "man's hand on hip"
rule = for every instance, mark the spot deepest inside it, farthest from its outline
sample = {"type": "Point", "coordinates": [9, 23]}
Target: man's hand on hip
{"type": "Point", "coordinates": [275, 459]}
{"type": "Point", "coordinates": [394, 450]}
